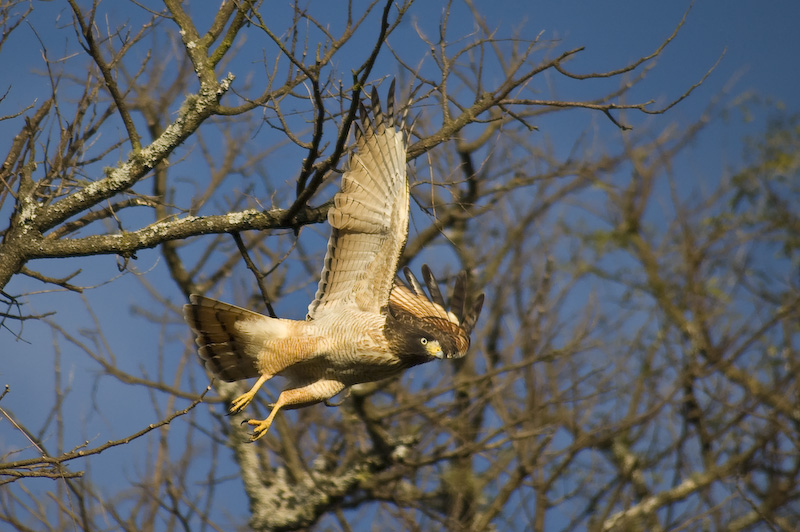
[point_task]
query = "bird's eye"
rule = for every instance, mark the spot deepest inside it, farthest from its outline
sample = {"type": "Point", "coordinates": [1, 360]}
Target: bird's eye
{"type": "Point", "coordinates": [423, 341]}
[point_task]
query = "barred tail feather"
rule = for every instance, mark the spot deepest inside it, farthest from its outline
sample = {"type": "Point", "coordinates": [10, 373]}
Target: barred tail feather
{"type": "Point", "coordinates": [225, 347]}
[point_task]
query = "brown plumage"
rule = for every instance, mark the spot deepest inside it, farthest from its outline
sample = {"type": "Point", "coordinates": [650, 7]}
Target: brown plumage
{"type": "Point", "coordinates": [363, 325]}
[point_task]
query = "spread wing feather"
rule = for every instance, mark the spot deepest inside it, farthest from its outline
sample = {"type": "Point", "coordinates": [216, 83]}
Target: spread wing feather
{"type": "Point", "coordinates": [369, 218]}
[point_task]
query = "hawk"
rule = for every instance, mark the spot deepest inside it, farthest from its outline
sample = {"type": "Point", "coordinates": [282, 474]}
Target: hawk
{"type": "Point", "coordinates": [363, 325]}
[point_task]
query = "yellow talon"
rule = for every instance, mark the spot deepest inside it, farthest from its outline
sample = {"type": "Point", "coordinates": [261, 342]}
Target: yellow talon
{"type": "Point", "coordinates": [260, 427]}
{"type": "Point", "coordinates": [238, 404]}
{"type": "Point", "coordinates": [243, 400]}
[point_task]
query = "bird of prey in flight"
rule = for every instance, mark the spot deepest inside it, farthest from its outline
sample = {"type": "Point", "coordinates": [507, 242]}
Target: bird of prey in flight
{"type": "Point", "coordinates": [363, 325]}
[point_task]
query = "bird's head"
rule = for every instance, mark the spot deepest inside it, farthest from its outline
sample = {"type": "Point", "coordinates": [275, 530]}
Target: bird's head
{"type": "Point", "coordinates": [419, 325]}
{"type": "Point", "coordinates": [431, 346]}
{"type": "Point", "coordinates": [416, 341]}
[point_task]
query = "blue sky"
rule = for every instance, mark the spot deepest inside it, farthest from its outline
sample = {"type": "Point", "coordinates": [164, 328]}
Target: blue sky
{"type": "Point", "coordinates": [759, 40]}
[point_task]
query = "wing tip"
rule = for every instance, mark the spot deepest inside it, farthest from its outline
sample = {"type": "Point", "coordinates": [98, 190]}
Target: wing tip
{"type": "Point", "coordinates": [460, 312]}
{"type": "Point", "coordinates": [373, 120]}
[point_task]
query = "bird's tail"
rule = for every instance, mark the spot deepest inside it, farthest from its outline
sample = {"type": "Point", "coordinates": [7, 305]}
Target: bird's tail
{"type": "Point", "coordinates": [226, 344]}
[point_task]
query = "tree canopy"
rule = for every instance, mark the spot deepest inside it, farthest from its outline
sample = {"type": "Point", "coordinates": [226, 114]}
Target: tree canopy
{"type": "Point", "coordinates": [636, 363]}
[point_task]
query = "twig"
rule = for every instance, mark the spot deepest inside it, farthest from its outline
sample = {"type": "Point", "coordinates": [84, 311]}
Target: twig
{"type": "Point", "coordinates": [256, 272]}
{"type": "Point", "coordinates": [12, 469]}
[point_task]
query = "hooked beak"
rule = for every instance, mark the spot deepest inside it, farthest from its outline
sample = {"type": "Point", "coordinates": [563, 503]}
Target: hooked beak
{"type": "Point", "coordinates": [434, 350]}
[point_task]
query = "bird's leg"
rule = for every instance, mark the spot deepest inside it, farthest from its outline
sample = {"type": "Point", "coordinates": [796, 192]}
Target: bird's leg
{"type": "Point", "coordinates": [243, 400]}
{"type": "Point", "coordinates": [296, 397]}
{"type": "Point", "coordinates": [340, 401]}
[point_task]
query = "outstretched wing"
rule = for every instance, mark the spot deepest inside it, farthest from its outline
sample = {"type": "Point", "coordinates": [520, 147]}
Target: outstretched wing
{"type": "Point", "coordinates": [457, 322]}
{"type": "Point", "coordinates": [369, 218]}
